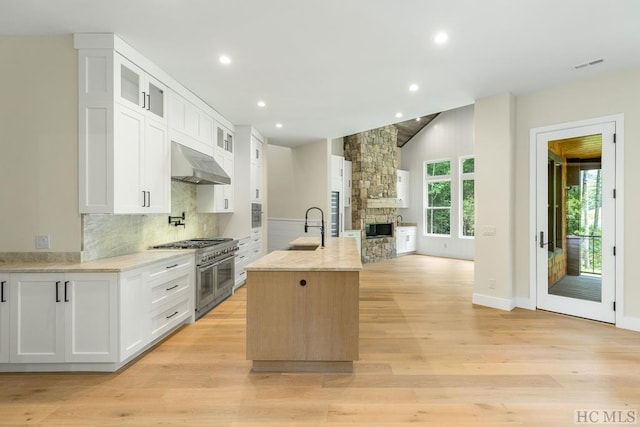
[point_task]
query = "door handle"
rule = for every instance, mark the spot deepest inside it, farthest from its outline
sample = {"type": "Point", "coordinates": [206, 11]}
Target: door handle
{"type": "Point", "coordinates": [542, 243]}
{"type": "Point", "coordinates": [2, 291]}
{"type": "Point", "coordinates": [57, 291]}
{"type": "Point", "coordinates": [144, 100]}
{"type": "Point", "coordinates": [66, 285]}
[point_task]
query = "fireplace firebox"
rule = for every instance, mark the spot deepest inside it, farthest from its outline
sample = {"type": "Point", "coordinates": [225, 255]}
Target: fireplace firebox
{"type": "Point", "coordinates": [379, 230]}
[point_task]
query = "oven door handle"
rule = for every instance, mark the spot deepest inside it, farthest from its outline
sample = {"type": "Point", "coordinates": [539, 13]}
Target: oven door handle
{"type": "Point", "coordinates": [215, 263]}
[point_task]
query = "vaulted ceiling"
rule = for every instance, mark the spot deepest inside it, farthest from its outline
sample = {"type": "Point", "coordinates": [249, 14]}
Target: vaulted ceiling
{"type": "Point", "coordinates": [330, 68]}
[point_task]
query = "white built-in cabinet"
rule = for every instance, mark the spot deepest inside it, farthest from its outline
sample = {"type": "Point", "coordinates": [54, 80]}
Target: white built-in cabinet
{"type": "Point", "coordinates": [220, 198]}
{"type": "Point", "coordinates": [92, 321]}
{"type": "Point", "coordinates": [347, 183]}
{"type": "Point", "coordinates": [58, 317]}
{"type": "Point", "coordinates": [4, 318]}
{"type": "Point", "coordinates": [337, 171]}
{"type": "Point", "coordinates": [402, 188]}
{"type": "Point", "coordinates": [138, 90]}
{"type": "Point", "coordinates": [190, 125]}
{"type": "Point", "coordinates": [123, 136]}
{"type": "Point", "coordinates": [406, 239]}
{"type": "Point", "coordinates": [256, 170]}
{"type": "Point", "coordinates": [223, 154]}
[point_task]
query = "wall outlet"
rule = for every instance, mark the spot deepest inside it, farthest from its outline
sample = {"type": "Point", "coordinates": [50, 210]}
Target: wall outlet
{"type": "Point", "coordinates": [42, 241]}
{"type": "Point", "coordinates": [492, 283]}
{"type": "Point", "coordinates": [489, 230]}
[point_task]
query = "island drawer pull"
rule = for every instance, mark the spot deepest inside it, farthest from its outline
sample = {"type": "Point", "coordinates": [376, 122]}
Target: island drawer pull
{"type": "Point", "coordinates": [171, 315]}
{"type": "Point", "coordinates": [173, 287]}
{"type": "Point", "coordinates": [303, 282]}
{"type": "Point", "coordinates": [171, 266]}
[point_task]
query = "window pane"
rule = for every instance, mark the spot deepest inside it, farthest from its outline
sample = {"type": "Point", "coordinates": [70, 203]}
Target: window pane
{"type": "Point", "coordinates": [468, 165]}
{"type": "Point", "coordinates": [439, 194]}
{"type": "Point", "coordinates": [439, 168]}
{"type": "Point", "coordinates": [438, 221]}
{"type": "Point", "coordinates": [468, 207]}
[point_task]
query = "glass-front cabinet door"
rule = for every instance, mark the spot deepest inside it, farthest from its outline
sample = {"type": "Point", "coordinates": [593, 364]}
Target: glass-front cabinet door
{"type": "Point", "coordinates": [139, 90]}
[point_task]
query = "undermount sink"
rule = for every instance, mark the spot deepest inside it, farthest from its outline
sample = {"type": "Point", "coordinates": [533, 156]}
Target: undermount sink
{"type": "Point", "coordinates": [303, 248]}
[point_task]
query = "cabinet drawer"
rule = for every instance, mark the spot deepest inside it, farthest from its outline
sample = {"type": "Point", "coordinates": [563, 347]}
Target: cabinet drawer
{"type": "Point", "coordinates": [165, 320]}
{"type": "Point", "coordinates": [171, 268]}
{"type": "Point", "coordinates": [166, 292]}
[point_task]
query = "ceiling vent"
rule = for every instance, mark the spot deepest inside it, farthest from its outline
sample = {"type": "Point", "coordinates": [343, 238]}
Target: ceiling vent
{"type": "Point", "coordinates": [588, 64]}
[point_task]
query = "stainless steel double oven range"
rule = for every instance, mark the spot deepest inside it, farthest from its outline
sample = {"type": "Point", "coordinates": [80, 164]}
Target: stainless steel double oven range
{"type": "Point", "coordinates": [215, 269]}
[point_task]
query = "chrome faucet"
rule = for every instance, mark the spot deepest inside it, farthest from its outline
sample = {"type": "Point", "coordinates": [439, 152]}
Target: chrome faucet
{"type": "Point", "coordinates": [321, 226]}
{"type": "Point", "coordinates": [398, 220]}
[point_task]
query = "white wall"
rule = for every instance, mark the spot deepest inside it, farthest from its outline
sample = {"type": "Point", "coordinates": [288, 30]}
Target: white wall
{"type": "Point", "coordinates": [494, 243]}
{"type": "Point", "coordinates": [448, 137]}
{"type": "Point", "coordinates": [39, 143]}
{"type": "Point", "coordinates": [298, 179]}
{"type": "Point", "coordinates": [590, 98]}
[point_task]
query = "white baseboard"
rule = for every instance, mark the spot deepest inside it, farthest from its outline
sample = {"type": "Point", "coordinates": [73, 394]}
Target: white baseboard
{"type": "Point", "coordinates": [494, 302]}
{"type": "Point", "coordinates": [525, 302]}
{"type": "Point", "coordinates": [631, 323]}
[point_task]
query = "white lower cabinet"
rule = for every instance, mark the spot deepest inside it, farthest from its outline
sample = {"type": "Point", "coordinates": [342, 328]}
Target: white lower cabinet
{"type": "Point", "coordinates": [4, 318]}
{"type": "Point", "coordinates": [134, 322]}
{"type": "Point", "coordinates": [63, 318]}
{"type": "Point", "coordinates": [406, 239]}
{"type": "Point", "coordinates": [241, 261]}
{"type": "Point", "coordinates": [91, 321]}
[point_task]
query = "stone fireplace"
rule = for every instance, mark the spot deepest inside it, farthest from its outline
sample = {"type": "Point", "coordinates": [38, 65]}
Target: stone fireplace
{"type": "Point", "coordinates": [374, 160]}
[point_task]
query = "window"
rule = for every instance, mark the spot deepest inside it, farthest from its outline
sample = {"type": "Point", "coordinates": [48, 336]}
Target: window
{"type": "Point", "coordinates": [467, 197]}
{"type": "Point", "coordinates": [438, 198]}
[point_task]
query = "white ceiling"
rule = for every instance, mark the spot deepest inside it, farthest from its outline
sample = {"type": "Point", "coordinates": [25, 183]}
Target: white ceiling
{"type": "Point", "coordinates": [330, 68]}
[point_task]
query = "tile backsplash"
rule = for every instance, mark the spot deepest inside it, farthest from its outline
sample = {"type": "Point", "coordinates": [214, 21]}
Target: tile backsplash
{"type": "Point", "coordinates": [112, 235]}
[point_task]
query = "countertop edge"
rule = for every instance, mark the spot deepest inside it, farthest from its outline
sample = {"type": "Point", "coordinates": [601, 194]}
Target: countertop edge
{"type": "Point", "coordinates": [117, 264]}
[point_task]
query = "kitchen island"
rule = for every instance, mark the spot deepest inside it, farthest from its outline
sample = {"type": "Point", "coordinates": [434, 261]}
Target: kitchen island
{"type": "Point", "coordinates": [303, 307]}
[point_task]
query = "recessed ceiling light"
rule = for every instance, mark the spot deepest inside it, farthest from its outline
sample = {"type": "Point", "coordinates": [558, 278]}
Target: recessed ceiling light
{"type": "Point", "coordinates": [441, 37]}
{"type": "Point", "coordinates": [398, 115]}
{"type": "Point", "coordinates": [261, 104]}
{"type": "Point", "coordinates": [278, 125]}
{"type": "Point", "coordinates": [418, 119]}
{"type": "Point", "coordinates": [413, 87]}
{"type": "Point", "coordinates": [224, 59]}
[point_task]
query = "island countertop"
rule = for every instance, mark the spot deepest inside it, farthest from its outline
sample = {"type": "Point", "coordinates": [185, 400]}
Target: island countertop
{"type": "Point", "coordinates": [339, 254]}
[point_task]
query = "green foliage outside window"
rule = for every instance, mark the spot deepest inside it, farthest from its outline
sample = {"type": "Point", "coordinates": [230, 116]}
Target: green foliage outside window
{"type": "Point", "coordinates": [438, 210]}
{"type": "Point", "coordinates": [468, 207]}
{"type": "Point", "coordinates": [468, 166]}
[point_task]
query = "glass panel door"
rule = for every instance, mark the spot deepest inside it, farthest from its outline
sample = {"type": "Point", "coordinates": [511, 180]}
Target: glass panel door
{"type": "Point", "coordinates": [576, 221]}
{"type": "Point", "coordinates": [130, 85]}
{"type": "Point", "coordinates": [156, 100]}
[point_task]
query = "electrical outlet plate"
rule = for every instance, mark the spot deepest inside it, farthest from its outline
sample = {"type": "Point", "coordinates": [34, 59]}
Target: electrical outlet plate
{"type": "Point", "coordinates": [42, 241]}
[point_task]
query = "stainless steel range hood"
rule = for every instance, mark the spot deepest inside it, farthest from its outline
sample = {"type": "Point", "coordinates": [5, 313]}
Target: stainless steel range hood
{"type": "Point", "coordinates": [195, 167]}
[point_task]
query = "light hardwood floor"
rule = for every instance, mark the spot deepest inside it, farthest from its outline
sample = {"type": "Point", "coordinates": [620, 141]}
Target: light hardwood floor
{"type": "Point", "coordinates": [427, 357]}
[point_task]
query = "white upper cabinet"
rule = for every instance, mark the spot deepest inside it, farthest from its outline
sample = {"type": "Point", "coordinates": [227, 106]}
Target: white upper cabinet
{"type": "Point", "coordinates": [256, 170]}
{"type": "Point", "coordinates": [220, 198]}
{"type": "Point", "coordinates": [224, 140]}
{"type": "Point", "coordinates": [347, 184]}
{"type": "Point", "coordinates": [139, 90]}
{"type": "Point", "coordinates": [402, 188]}
{"type": "Point", "coordinates": [189, 125]}
{"type": "Point", "coordinates": [123, 137]}
{"type": "Point", "coordinates": [337, 173]}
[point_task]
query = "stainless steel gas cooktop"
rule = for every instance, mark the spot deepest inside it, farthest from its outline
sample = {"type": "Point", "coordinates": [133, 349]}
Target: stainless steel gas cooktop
{"type": "Point", "coordinates": [194, 243]}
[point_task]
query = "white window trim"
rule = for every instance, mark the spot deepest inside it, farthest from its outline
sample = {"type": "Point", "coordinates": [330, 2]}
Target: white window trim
{"type": "Point", "coordinates": [425, 199]}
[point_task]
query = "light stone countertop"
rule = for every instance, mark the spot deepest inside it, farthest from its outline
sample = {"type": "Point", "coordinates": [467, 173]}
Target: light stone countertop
{"type": "Point", "coordinates": [339, 254]}
{"type": "Point", "coordinates": [105, 265]}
